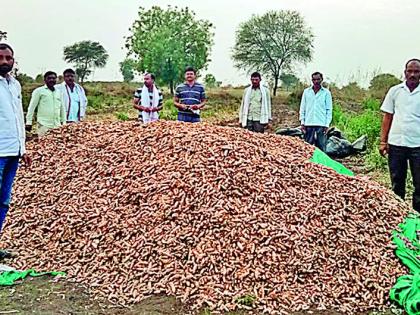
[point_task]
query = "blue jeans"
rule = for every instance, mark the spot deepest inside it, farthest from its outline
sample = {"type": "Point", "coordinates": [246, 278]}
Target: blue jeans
{"type": "Point", "coordinates": [192, 118]}
{"type": "Point", "coordinates": [8, 168]}
{"type": "Point", "coordinates": [316, 136]}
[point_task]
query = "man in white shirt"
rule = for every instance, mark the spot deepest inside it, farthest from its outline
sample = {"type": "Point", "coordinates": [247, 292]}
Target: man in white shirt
{"type": "Point", "coordinates": [12, 132]}
{"type": "Point", "coordinates": [400, 132]}
{"type": "Point", "coordinates": [74, 97]}
{"type": "Point", "coordinates": [315, 112]}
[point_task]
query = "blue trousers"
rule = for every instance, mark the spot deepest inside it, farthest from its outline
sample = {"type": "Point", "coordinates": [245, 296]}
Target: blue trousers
{"type": "Point", "coordinates": [188, 118]}
{"type": "Point", "coordinates": [8, 169]}
{"type": "Point", "coordinates": [315, 135]}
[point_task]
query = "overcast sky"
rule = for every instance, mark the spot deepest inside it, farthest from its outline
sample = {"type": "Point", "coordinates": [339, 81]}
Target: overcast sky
{"type": "Point", "coordinates": [353, 39]}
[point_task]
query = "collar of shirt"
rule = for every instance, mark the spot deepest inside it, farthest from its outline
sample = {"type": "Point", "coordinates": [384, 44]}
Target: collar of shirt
{"type": "Point", "coordinates": [404, 86]}
{"type": "Point", "coordinates": [8, 78]}
{"type": "Point", "coordinates": [186, 83]}
{"type": "Point", "coordinates": [46, 87]}
{"type": "Point", "coordinates": [321, 89]}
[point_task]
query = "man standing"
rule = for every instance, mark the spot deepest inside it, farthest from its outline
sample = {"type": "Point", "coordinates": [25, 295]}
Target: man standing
{"type": "Point", "coordinates": [316, 112]}
{"type": "Point", "coordinates": [47, 100]}
{"type": "Point", "coordinates": [74, 97]}
{"type": "Point", "coordinates": [12, 132]}
{"type": "Point", "coordinates": [255, 110]}
{"type": "Point", "coordinates": [148, 100]}
{"type": "Point", "coordinates": [400, 132]}
{"type": "Point", "coordinates": [190, 98]}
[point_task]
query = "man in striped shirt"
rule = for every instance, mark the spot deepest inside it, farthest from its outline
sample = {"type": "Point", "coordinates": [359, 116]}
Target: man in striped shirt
{"type": "Point", "coordinates": [148, 100]}
{"type": "Point", "coordinates": [190, 97]}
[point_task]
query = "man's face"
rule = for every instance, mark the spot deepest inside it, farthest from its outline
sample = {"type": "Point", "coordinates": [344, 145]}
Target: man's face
{"type": "Point", "coordinates": [317, 80]}
{"type": "Point", "coordinates": [255, 81]}
{"type": "Point", "coordinates": [189, 76]}
{"type": "Point", "coordinates": [148, 81]}
{"type": "Point", "coordinates": [69, 78]}
{"type": "Point", "coordinates": [6, 61]}
{"type": "Point", "coordinates": [412, 73]}
{"type": "Point", "coordinates": [50, 80]}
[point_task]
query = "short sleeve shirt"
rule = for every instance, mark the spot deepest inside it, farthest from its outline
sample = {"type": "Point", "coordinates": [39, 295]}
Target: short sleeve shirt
{"type": "Point", "coordinates": [405, 107]}
{"type": "Point", "coordinates": [190, 95]}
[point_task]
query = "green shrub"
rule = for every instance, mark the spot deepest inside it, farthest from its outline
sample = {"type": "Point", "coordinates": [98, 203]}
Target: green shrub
{"type": "Point", "coordinates": [381, 83]}
{"type": "Point", "coordinates": [169, 111]}
{"type": "Point", "coordinates": [246, 300]}
{"type": "Point", "coordinates": [355, 125]}
{"type": "Point", "coordinates": [122, 116]}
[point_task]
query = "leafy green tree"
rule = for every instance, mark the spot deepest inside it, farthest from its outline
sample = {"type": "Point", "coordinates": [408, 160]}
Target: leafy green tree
{"type": "Point", "coordinates": [210, 81]}
{"type": "Point", "coordinates": [166, 41]}
{"type": "Point", "coordinates": [39, 78]}
{"type": "Point", "coordinates": [381, 83]}
{"type": "Point", "coordinates": [289, 80]}
{"type": "Point", "coordinates": [23, 78]}
{"type": "Point", "coordinates": [85, 56]}
{"type": "Point", "coordinates": [272, 42]}
{"type": "Point", "coordinates": [3, 35]}
{"type": "Point", "coordinates": [127, 69]}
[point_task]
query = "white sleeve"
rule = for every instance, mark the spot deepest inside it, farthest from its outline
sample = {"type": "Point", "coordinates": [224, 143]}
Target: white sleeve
{"type": "Point", "coordinates": [388, 105]}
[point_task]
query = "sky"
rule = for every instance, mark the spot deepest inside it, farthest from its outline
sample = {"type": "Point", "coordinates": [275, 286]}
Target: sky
{"type": "Point", "coordinates": [353, 39]}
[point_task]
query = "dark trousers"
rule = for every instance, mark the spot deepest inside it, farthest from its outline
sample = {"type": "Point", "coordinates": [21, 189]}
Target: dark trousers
{"type": "Point", "coordinates": [399, 158]}
{"type": "Point", "coordinates": [316, 136]}
{"type": "Point", "coordinates": [255, 126]}
{"type": "Point", "coordinates": [8, 168]}
{"type": "Point", "coordinates": [186, 117]}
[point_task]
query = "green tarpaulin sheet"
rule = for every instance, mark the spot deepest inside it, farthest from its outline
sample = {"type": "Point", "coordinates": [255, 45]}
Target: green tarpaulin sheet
{"type": "Point", "coordinates": [8, 278]}
{"type": "Point", "coordinates": [320, 157]}
{"type": "Point", "coordinates": [406, 291]}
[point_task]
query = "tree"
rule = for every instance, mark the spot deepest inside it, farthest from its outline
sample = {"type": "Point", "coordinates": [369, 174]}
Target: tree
{"type": "Point", "coordinates": [127, 69]}
{"type": "Point", "coordinates": [3, 35]}
{"type": "Point", "coordinates": [86, 55]}
{"type": "Point", "coordinates": [166, 41]}
{"type": "Point", "coordinates": [23, 78]}
{"type": "Point", "coordinates": [39, 78]}
{"type": "Point", "coordinates": [272, 42]}
{"type": "Point", "coordinates": [289, 80]}
{"type": "Point", "coordinates": [381, 83]}
{"type": "Point", "coordinates": [210, 81]}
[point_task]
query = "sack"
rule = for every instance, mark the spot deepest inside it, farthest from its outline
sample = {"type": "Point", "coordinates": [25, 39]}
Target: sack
{"type": "Point", "coordinates": [292, 132]}
{"type": "Point", "coordinates": [338, 148]}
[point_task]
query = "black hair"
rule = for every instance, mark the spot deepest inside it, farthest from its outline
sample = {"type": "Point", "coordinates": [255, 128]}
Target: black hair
{"type": "Point", "coordinates": [411, 60]}
{"type": "Point", "coordinates": [151, 75]}
{"type": "Point", "coordinates": [4, 46]}
{"type": "Point", "coordinates": [71, 71]}
{"type": "Point", "coordinates": [189, 68]}
{"type": "Point", "coordinates": [256, 75]}
{"type": "Point", "coordinates": [49, 73]}
{"type": "Point", "coordinates": [317, 73]}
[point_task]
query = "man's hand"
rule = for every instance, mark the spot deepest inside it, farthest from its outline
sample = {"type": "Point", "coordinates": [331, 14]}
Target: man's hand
{"type": "Point", "coordinates": [384, 149]}
{"type": "Point", "coordinates": [195, 107]}
{"type": "Point", "coordinates": [302, 127]}
{"type": "Point", "coordinates": [147, 109]}
{"type": "Point", "coordinates": [28, 128]}
{"type": "Point", "coordinates": [27, 160]}
{"type": "Point", "coordinates": [325, 130]}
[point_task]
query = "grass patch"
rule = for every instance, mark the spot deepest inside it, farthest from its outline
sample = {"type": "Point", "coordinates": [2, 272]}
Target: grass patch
{"type": "Point", "coordinates": [367, 122]}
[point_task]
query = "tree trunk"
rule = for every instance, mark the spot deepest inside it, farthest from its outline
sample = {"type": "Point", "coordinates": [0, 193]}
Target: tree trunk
{"type": "Point", "coordinates": [276, 84]}
{"type": "Point", "coordinates": [171, 86]}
